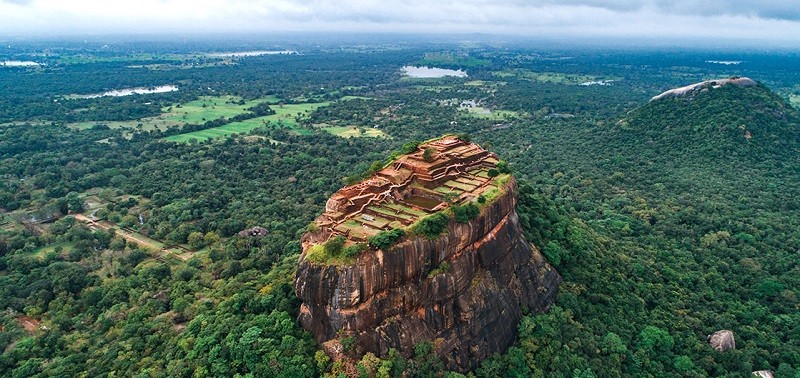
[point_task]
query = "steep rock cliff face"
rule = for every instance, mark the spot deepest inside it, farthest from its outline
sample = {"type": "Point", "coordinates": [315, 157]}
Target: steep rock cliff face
{"type": "Point", "coordinates": [397, 298]}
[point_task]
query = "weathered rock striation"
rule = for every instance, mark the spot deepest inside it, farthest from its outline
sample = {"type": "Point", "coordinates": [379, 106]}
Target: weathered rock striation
{"type": "Point", "coordinates": [466, 290]}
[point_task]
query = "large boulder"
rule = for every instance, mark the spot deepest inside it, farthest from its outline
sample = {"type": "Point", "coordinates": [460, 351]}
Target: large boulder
{"type": "Point", "coordinates": [722, 340]}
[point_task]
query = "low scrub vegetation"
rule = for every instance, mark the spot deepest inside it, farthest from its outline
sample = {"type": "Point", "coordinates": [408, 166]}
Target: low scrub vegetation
{"type": "Point", "coordinates": [431, 226]}
{"type": "Point", "coordinates": [386, 239]}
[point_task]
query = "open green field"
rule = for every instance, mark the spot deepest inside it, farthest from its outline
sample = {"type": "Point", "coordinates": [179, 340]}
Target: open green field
{"type": "Point", "coordinates": [321, 98]}
{"type": "Point", "coordinates": [41, 252]}
{"type": "Point", "coordinates": [352, 131]}
{"type": "Point", "coordinates": [430, 88]}
{"type": "Point", "coordinates": [285, 116]}
{"type": "Point", "coordinates": [202, 110]}
{"type": "Point", "coordinates": [495, 115]}
{"type": "Point", "coordinates": [549, 77]}
{"type": "Point", "coordinates": [90, 58]}
{"type": "Point", "coordinates": [449, 58]}
{"type": "Point", "coordinates": [346, 98]}
{"type": "Point", "coordinates": [210, 108]}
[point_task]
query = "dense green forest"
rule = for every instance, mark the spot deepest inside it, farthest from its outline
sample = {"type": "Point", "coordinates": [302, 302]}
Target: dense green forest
{"type": "Point", "coordinates": [665, 220]}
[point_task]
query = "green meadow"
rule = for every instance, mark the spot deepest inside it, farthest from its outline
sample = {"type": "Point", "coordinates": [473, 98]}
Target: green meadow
{"type": "Point", "coordinates": [200, 111]}
{"type": "Point", "coordinates": [352, 131]}
{"type": "Point", "coordinates": [495, 115]}
{"type": "Point", "coordinates": [285, 116]}
{"type": "Point", "coordinates": [549, 77]}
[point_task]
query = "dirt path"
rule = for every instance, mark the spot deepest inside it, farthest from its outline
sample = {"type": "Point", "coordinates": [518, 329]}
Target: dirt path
{"type": "Point", "coordinates": [128, 235]}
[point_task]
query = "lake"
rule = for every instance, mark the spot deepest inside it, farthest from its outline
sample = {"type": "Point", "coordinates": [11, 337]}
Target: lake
{"type": "Point", "coordinates": [598, 82]}
{"type": "Point", "coordinates": [132, 91]}
{"type": "Point", "coordinates": [431, 72]}
{"type": "Point", "coordinates": [18, 63]}
{"type": "Point", "coordinates": [725, 62]}
{"type": "Point", "coordinates": [239, 54]}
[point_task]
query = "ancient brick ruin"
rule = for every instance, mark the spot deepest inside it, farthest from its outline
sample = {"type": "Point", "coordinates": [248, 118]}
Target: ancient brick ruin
{"type": "Point", "coordinates": [411, 187]}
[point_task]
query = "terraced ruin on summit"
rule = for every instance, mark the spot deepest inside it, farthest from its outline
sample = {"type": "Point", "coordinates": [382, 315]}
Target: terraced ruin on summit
{"type": "Point", "coordinates": [441, 172]}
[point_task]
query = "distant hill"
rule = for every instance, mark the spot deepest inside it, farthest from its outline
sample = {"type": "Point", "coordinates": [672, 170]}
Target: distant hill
{"type": "Point", "coordinates": [735, 117]}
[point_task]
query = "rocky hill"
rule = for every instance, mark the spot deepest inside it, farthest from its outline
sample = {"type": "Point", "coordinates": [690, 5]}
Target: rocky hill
{"type": "Point", "coordinates": [705, 86]}
{"type": "Point", "coordinates": [427, 249]}
{"type": "Point", "coordinates": [735, 117]}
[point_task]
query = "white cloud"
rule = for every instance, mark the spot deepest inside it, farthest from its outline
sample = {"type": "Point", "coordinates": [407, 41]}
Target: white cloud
{"type": "Point", "coordinates": [773, 20]}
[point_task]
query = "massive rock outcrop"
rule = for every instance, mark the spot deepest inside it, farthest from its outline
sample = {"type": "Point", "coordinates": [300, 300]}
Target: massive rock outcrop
{"type": "Point", "coordinates": [465, 290]}
{"type": "Point", "coordinates": [705, 85]}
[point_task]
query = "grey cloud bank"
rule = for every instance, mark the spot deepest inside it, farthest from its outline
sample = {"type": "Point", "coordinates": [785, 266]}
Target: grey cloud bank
{"type": "Point", "coordinates": [774, 20]}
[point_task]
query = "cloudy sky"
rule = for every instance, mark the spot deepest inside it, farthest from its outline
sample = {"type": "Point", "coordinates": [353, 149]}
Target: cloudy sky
{"type": "Point", "coordinates": [777, 21]}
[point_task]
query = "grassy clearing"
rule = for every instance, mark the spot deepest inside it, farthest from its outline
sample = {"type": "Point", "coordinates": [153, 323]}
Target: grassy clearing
{"type": "Point", "coordinates": [430, 88]}
{"type": "Point", "coordinates": [206, 108]}
{"type": "Point", "coordinates": [317, 254]}
{"type": "Point", "coordinates": [347, 98]}
{"type": "Point", "coordinates": [210, 108]}
{"type": "Point", "coordinates": [285, 116]}
{"type": "Point", "coordinates": [794, 100]}
{"type": "Point", "coordinates": [495, 115]}
{"type": "Point", "coordinates": [450, 58]}
{"type": "Point", "coordinates": [89, 58]}
{"type": "Point", "coordinates": [352, 131]}
{"type": "Point", "coordinates": [549, 77]}
{"type": "Point", "coordinates": [63, 248]}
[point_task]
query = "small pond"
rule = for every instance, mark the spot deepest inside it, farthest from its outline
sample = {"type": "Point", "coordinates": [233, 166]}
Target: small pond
{"type": "Point", "coordinates": [423, 202]}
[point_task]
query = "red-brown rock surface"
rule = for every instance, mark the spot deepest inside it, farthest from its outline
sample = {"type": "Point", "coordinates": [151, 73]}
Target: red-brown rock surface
{"type": "Point", "coordinates": [389, 299]}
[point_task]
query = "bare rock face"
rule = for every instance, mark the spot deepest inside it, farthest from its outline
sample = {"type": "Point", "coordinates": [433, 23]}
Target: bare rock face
{"type": "Point", "coordinates": [704, 86]}
{"type": "Point", "coordinates": [465, 291]}
{"type": "Point", "coordinates": [722, 340]}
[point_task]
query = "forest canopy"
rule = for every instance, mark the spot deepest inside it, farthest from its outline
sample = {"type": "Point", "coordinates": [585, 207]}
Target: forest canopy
{"type": "Point", "coordinates": [123, 253]}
